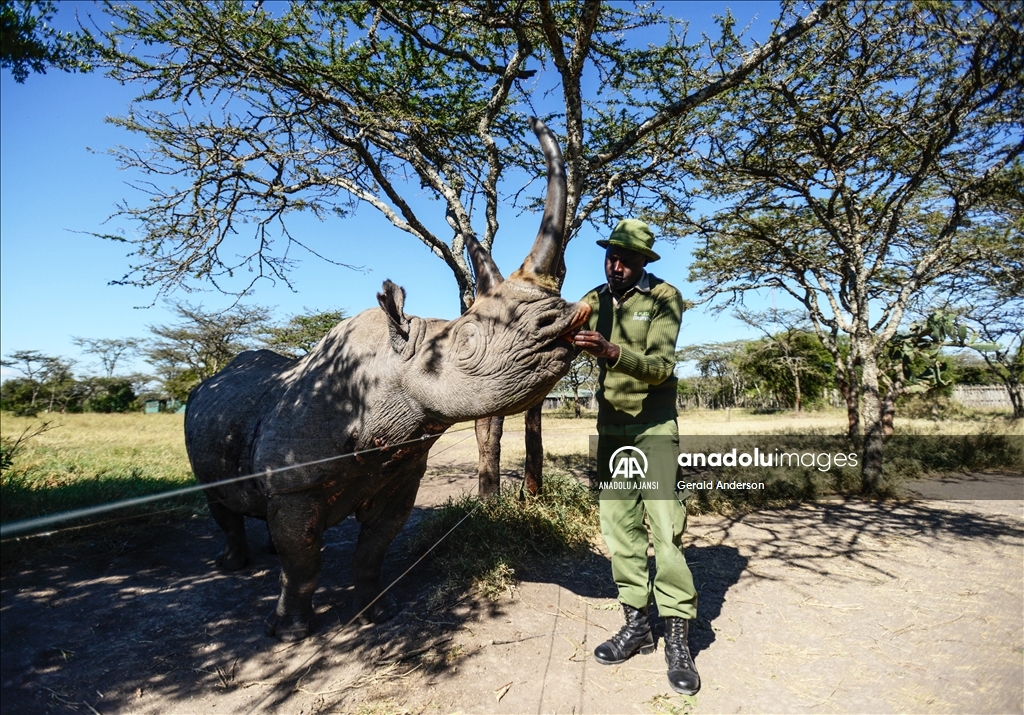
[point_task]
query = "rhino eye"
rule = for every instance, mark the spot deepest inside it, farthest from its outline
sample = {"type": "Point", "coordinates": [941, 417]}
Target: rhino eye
{"type": "Point", "coordinates": [469, 344]}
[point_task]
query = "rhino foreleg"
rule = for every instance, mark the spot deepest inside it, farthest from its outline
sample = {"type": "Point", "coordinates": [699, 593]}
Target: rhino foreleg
{"type": "Point", "coordinates": [380, 526]}
{"type": "Point", "coordinates": [296, 524]}
{"type": "Point", "coordinates": [236, 549]}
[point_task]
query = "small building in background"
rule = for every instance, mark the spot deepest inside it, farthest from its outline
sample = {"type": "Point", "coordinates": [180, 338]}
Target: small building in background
{"type": "Point", "coordinates": [164, 404]}
{"type": "Point", "coordinates": [560, 399]}
{"type": "Point", "coordinates": [984, 397]}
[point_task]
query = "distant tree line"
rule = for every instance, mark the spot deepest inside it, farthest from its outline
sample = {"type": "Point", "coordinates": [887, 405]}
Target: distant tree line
{"type": "Point", "coordinates": [182, 354]}
{"type": "Point", "coordinates": [792, 369]}
{"type": "Point", "coordinates": [789, 367]}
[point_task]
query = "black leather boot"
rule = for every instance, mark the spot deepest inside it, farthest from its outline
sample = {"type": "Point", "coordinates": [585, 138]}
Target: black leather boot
{"type": "Point", "coordinates": [633, 637]}
{"type": "Point", "coordinates": [682, 673]}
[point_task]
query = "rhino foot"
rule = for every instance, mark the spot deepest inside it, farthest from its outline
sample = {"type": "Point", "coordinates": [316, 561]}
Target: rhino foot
{"type": "Point", "coordinates": [288, 628]}
{"type": "Point", "coordinates": [232, 559]}
{"type": "Point", "coordinates": [384, 609]}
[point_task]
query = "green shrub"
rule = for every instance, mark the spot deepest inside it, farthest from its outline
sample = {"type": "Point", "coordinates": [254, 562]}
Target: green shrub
{"type": "Point", "coordinates": [505, 532]}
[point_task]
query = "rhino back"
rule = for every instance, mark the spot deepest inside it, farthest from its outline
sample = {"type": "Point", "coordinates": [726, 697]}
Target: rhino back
{"type": "Point", "coordinates": [224, 412]}
{"type": "Point", "coordinates": [342, 397]}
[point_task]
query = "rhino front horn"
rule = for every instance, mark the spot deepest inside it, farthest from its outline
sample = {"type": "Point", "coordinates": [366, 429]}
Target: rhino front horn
{"type": "Point", "coordinates": [543, 264]}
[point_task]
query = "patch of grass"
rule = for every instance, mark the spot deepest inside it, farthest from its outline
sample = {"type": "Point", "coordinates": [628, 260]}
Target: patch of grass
{"type": "Point", "coordinates": [937, 454]}
{"type": "Point", "coordinates": [90, 459]}
{"type": "Point", "coordinates": [504, 533]}
{"type": "Point", "coordinates": [908, 455]}
{"type": "Point", "coordinates": [671, 704]}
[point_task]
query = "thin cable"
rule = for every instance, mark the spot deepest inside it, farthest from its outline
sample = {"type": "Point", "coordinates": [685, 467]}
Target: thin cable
{"type": "Point", "coordinates": [436, 544]}
{"type": "Point", "coordinates": [91, 524]}
{"type": "Point", "coordinates": [54, 532]}
{"type": "Point", "coordinates": [18, 527]}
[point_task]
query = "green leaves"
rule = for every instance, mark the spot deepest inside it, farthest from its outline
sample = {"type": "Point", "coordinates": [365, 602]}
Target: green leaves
{"type": "Point", "coordinates": [248, 116]}
{"type": "Point", "coordinates": [29, 44]}
{"type": "Point", "coordinates": [300, 333]}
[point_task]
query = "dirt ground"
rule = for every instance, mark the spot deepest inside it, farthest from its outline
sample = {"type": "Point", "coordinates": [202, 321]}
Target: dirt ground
{"type": "Point", "coordinates": [845, 607]}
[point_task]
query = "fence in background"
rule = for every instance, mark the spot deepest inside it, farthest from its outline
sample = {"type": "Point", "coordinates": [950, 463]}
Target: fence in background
{"type": "Point", "coordinates": [982, 396]}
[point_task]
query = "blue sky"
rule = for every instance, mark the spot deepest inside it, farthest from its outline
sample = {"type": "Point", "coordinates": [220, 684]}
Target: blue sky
{"type": "Point", "coordinates": [58, 183]}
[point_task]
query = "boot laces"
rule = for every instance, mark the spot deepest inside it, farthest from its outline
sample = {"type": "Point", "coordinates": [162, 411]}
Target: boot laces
{"type": "Point", "coordinates": [622, 637]}
{"type": "Point", "coordinates": [677, 648]}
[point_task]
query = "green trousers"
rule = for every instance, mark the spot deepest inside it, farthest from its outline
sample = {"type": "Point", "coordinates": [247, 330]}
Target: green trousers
{"type": "Point", "coordinates": [622, 523]}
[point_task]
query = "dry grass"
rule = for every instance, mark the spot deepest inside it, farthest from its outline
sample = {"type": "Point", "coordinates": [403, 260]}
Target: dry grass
{"type": "Point", "coordinates": [88, 459]}
{"type": "Point", "coordinates": [561, 520]}
{"type": "Point", "coordinates": [103, 442]}
{"type": "Point", "coordinates": [567, 437]}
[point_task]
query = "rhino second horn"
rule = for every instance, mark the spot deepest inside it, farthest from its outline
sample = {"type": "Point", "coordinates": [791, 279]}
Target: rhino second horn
{"type": "Point", "coordinates": [488, 277]}
{"type": "Point", "coordinates": [543, 263]}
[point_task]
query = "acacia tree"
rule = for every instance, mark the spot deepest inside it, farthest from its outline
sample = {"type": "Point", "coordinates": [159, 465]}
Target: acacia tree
{"type": "Point", "coordinates": [109, 351]}
{"type": "Point", "coordinates": [989, 301]}
{"type": "Point", "coordinates": [202, 343]}
{"type": "Point", "coordinates": [59, 382]}
{"type": "Point", "coordinates": [1000, 323]}
{"type": "Point", "coordinates": [848, 164]}
{"type": "Point", "coordinates": [300, 333]}
{"type": "Point", "coordinates": [35, 366]}
{"type": "Point", "coordinates": [582, 375]}
{"type": "Point", "coordinates": [322, 106]}
{"type": "Point", "coordinates": [29, 43]}
{"type": "Point", "coordinates": [784, 345]}
{"type": "Point", "coordinates": [720, 366]}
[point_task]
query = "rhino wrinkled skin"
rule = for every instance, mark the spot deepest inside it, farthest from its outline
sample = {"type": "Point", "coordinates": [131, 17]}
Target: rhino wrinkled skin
{"type": "Point", "coordinates": [375, 382]}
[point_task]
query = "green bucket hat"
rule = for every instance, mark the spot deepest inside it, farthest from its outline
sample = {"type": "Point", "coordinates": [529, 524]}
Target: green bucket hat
{"type": "Point", "coordinates": [632, 235]}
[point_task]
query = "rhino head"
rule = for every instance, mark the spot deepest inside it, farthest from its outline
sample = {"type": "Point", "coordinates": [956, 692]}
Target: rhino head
{"type": "Point", "coordinates": [509, 349]}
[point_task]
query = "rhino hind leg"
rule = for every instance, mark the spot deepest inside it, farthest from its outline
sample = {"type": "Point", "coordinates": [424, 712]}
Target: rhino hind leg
{"type": "Point", "coordinates": [296, 525]}
{"type": "Point", "coordinates": [271, 549]}
{"type": "Point", "coordinates": [236, 549]}
{"type": "Point", "coordinates": [379, 529]}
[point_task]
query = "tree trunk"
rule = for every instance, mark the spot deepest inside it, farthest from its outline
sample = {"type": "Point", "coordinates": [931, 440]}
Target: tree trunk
{"type": "Point", "coordinates": [796, 382]}
{"type": "Point", "coordinates": [852, 401]}
{"type": "Point", "coordinates": [846, 381]}
{"type": "Point", "coordinates": [1016, 399]}
{"type": "Point", "coordinates": [488, 442]}
{"type": "Point", "coordinates": [532, 479]}
{"type": "Point", "coordinates": [871, 467]}
{"type": "Point", "coordinates": [888, 415]}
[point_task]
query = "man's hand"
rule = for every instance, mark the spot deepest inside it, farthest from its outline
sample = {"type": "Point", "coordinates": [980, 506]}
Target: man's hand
{"type": "Point", "coordinates": [595, 344]}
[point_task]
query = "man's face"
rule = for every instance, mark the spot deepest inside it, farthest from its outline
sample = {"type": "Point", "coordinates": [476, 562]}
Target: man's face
{"type": "Point", "coordinates": [623, 268]}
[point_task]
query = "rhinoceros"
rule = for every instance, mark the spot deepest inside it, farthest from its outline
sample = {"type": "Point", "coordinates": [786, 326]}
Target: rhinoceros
{"type": "Point", "coordinates": [385, 384]}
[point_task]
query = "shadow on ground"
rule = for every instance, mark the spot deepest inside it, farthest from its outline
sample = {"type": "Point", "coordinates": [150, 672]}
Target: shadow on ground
{"type": "Point", "coordinates": [861, 531]}
{"type": "Point", "coordinates": [139, 619]}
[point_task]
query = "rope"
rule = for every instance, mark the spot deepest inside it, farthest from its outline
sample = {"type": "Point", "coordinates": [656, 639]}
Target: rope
{"type": "Point", "coordinates": [19, 527]}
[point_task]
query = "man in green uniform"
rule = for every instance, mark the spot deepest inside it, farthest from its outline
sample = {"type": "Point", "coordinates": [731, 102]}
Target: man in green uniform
{"type": "Point", "coordinates": [632, 330]}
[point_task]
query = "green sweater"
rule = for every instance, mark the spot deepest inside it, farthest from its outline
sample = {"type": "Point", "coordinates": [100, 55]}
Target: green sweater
{"type": "Point", "coordinates": [640, 387]}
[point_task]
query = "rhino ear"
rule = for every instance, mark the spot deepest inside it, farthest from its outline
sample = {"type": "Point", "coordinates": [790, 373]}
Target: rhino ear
{"type": "Point", "coordinates": [392, 302]}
